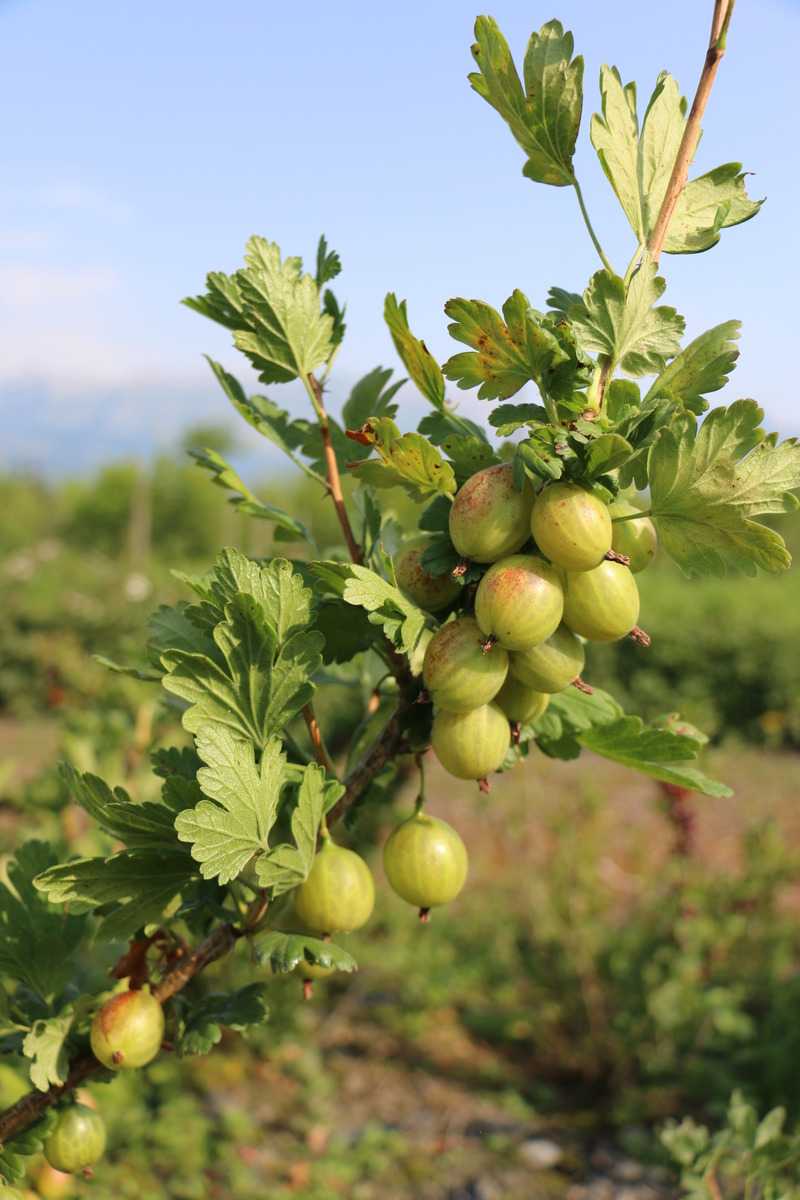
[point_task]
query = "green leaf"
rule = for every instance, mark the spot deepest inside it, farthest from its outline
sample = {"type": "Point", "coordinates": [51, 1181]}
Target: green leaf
{"type": "Point", "coordinates": [546, 116]}
{"type": "Point", "coordinates": [286, 866]}
{"type": "Point", "coordinates": [468, 454]}
{"type": "Point", "coordinates": [708, 483]}
{"type": "Point", "coordinates": [140, 826]}
{"type": "Point", "coordinates": [508, 418]}
{"type": "Point", "coordinates": [245, 501]}
{"type": "Point", "coordinates": [701, 367]}
{"type": "Point", "coordinates": [639, 167]}
{"type": "Point", "coordinates": [615, 137]}
{"type": "Point", "coordinates": [15, 1152]}
{"type": "Point", "coordinates": [347, 633]}
{"type": "Point", "coordinates": [329, 264]}
{"type": "Point", "coordinates": [255, 676]}
{"type": "Point", "coordinates": [569, 713]}
{"type": "Point", "coordinates": [406, 460]}
{"type": "Point", "coordinates": [520, 347]}
{"type": "Point", "coordinates": [606, 453]}
{"type": "Point", "coordinates": [372, 396]}
{"type": "Point", "coordinates": [239, 1010]}
{"type": "Point", "coordinates": [226, 830]}
{"type": "Point", "coordinates": [655, 752]}
{"type": "Point", "coordinates": [282, 952]}
{"type": "Point", "coordinates": [706, 206]}
{"type": "Point", "coordinates": [267, 418]}
{"type": "Point", "coordinates": [402, 621]}
{"type": "Point", "coordinates": [140, 883]}
{"type": "Point", "coordinates": [274, 311]}
{"type": "Point", "coordinates": [627, 327]}
{"type": "Point", "coordinates": [46, 1047]}
{"type": "Point", "coordinates": [417, 359]}
{"type": "Point", "coordinates": [38, 942]}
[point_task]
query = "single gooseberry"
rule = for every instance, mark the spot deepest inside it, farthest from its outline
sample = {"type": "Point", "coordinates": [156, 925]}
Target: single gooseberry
{"type": "Point", "coordinates": [459, 671]}
{"type": "Point", "coordinates": [431, 592]}
{"type": "Point", "coordinates": [520, 601]}
{"type": "Point", "coordinates": [520, 702]}
{"type": "Point", "coordinates": [308, 972]}
{"type": "Point", "coordinates": [339, 893]}
{"type": "Point", "coordinates": [77, 1141]}
{"type": "Point", "coordinates": [636, 539]}
{"type": "Point", "coordinates": [602, 605]}
{"type": "Point", "coordinates": [571, 526]}
{"type": "Point", "coordinates": [128, 1030]}
{"type": "Point", "coordinates": [490, 516]}
{"type": "Point", "coordinates": [470, 745]}
{"type": "Point", "coordinates": [553, 665]}
{"type": "Point", "coordinates": [425, 862]}
{"type": "Point", "coordinates": [52, 1184]}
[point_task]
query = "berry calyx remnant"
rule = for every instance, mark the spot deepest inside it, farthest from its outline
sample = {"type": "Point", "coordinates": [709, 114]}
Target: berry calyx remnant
{"type": "Point", "coordinates": [128, 1030]}
{"type": "Point", "coordinates": [490, 516]}
{"type": "Point", "coordinates": [571, 526]}
{"type": "Point", "coordinates": [520, 601]}
{"type": "Point", "coordinates": [458, 671]}
{"type": "Point", "coordinates": [339, 893]}
{"type": "Point", "coordinates": [431, 592]}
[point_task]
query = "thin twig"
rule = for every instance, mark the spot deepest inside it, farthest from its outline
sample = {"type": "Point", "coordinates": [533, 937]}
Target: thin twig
{"type": "Point", "coordinates": [723, 10]}
{"type": "Point", "coordinates": [31, 1107]}
{"type": "Point", "coordinates": [317, 741]}
{"type": "Point", "coordinates": [332, 468]}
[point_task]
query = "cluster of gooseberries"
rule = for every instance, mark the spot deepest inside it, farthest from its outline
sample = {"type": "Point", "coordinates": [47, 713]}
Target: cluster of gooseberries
{"type": "Point", "coordinates": [560, 571]}
{"type": "Point", "coordinates": [425, 862]}
{"type": "Point", "coordinates": [127, 1032]}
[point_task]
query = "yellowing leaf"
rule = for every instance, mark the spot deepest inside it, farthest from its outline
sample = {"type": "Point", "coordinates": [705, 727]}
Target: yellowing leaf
{"type": "Point", "coordinates": [406, 460]}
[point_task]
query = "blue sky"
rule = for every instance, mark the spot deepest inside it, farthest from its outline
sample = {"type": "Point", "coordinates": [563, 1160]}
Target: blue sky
{"type": "Point", "coordinates": [145, 141]}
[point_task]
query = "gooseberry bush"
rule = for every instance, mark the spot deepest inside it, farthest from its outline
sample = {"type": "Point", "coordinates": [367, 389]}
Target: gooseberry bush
{"type": "Point", "coordinates": [472, 636]}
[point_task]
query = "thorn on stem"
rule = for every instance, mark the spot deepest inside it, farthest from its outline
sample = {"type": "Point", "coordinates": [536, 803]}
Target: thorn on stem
{"type": "Point", "coordinates": [586, 688]}
{"type": "Point", "coordinates": [639, 635]}
{"type": "Point", "coordinates": [424, 916]}
{"type": "Point", "coordinates": [612, 556]}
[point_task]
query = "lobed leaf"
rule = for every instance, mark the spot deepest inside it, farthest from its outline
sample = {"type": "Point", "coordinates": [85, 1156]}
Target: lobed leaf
{"type": "Point", "coordinates": [624, 324]}
{"type": "Point", "coordinates": [707, 484]}
{"type": "Point", "coordinates": [422, 367]}
{"type": "Point", "coordinates": [520, 347]}
{"type": "Point", "coordinates": [701, 367]}
{"type": "Point", "coordinates": [545, 117]}
{"type": "Point", "coordinates": [282, 952]}
{"type": "Point", "coordinates": [406, 460]}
